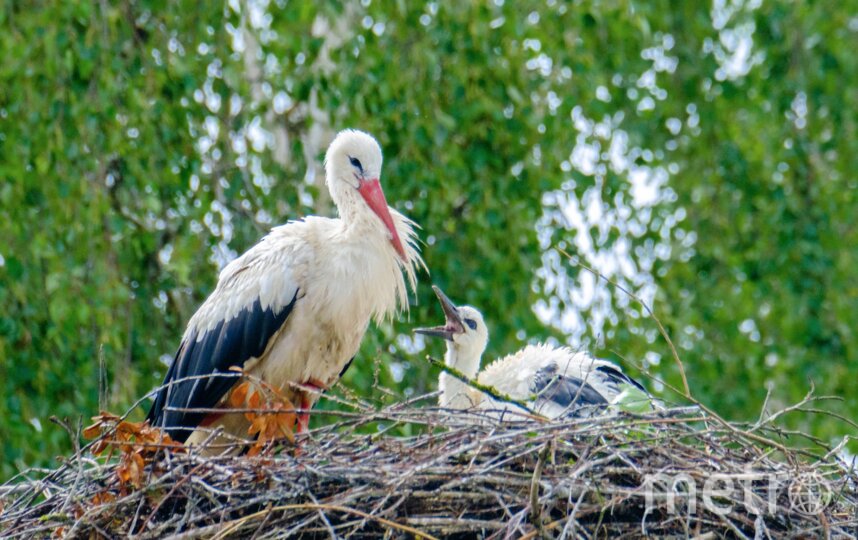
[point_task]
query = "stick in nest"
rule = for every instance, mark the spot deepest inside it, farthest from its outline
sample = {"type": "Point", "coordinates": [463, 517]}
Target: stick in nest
{"type": "Point", "coordinates": [488, 390]}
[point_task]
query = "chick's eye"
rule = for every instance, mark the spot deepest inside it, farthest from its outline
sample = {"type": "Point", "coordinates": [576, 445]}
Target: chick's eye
{"type": "Point", "coordinates": [472, 324]}
{"type": "Point", "coordinates": [356, 163]}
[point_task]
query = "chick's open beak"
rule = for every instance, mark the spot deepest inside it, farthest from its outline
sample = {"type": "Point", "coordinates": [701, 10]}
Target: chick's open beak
{"type": "Point", "coordinates": [453, 324]}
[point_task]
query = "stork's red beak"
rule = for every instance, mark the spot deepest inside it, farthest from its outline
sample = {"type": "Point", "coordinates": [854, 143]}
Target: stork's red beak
{"type": "Point", "coordinates": [453, 324]}
{"type": "Point", "coordinates": [371, 192]}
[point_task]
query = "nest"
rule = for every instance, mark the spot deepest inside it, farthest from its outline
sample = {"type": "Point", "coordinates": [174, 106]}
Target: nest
{"type": "Point", "coordinates": [676, 472]}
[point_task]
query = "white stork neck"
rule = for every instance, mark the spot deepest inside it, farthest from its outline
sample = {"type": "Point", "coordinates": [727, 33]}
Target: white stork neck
{"type": "Point", "coordinates": [359, 221]}
{"type": "Point", "coordinates": [351, 208]}
{"type": "Point", "coordinates": [455, 394]}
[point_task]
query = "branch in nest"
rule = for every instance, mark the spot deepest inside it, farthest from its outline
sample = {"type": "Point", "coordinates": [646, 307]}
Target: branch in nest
{"type": "Point", "coordinates": [490, 391]}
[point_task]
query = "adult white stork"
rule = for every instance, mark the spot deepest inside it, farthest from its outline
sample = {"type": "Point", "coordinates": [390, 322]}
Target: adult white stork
{"type": "Point", "coordinates": [294, 307]}
{"type": "Point", "coordinates": [553, 381]}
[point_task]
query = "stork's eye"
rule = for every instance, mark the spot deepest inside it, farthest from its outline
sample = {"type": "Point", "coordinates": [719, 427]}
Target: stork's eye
{"type": "Point", "coordinates": [356, 163]}
{"type": "Point", "coordinates": [472, 324]}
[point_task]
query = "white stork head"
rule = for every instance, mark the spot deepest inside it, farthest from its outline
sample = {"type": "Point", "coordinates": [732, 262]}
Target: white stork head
{"type": "Point", "coordinates": [466, 334]}
{"type": "Point", "coordinates": [353, 168]}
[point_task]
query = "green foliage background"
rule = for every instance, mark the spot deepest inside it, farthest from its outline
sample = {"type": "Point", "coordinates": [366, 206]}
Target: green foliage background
{"type": "Point", "coordinates": [139, 138]}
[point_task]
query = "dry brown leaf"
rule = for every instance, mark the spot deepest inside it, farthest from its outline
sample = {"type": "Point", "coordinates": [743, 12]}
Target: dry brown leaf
{"type": "Point", "coordinates": [103, 497]}
{"type": "Point", "coordinates": [99, 447]}
{"type": "Point", "coordinates": [285, 423]}
{"type": "Point", "coordinates": [137, 441]}
{"type": "Point", "coordinates": [238, 397]}
{"type": "Point", "coordinates": [123, 473]}
{"type": "Point", "coordinates": [257, 425]}
{"type": "Point", "coordinates": [130, 470]}
{"type": "Point", "coordinates": [92, 432]}
{"type": "Point", "coordinates": [255, 400]}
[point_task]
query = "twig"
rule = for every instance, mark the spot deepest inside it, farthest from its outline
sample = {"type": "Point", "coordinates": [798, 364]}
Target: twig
{"type": "Point", "coordinates": [74, 435]}
{"type": "Point", "coordinates": [489, 390]}
{"type": "Point", "coordinates": [636, 298]}
{"type": "Point", "coordinates": [535, 506]}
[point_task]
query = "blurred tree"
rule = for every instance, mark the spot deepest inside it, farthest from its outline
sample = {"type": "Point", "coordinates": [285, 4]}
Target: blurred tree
{"type": "Point", "coordinates": [702, 156]}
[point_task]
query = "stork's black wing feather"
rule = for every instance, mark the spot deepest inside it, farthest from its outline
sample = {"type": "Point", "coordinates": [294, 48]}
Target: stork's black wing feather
{"type": "Point", "coordinates": [346, 367]}
{"type": "Point", "coordinates": [618, 377]}
{"type": "Point", "coordinates": [200, 374]}
{"type": "Point", "coordinates": [570, 393]}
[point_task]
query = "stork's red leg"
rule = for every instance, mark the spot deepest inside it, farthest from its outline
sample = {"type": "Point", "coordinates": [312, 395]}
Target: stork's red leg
{"type": "Point", "coordinates": [307, 402]}
{"type": "Point", "coordinates": [304, 417]}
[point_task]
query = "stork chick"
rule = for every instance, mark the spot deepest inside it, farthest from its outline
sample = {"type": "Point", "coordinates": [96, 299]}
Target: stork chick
{"type": "Point", "coordinates": [292, 310]}
{"type": "Point", "coordinates": [553, 381]}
